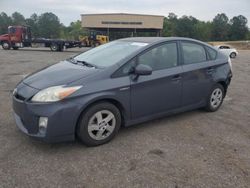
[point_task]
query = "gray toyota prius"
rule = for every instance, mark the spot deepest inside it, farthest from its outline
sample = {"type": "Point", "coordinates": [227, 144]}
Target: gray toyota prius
{"type": "Point", "coordinates": [121, 83]}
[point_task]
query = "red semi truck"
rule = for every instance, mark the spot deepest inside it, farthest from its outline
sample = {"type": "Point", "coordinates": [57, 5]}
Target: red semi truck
{"type": "Point", "coordinates": [20, 36]}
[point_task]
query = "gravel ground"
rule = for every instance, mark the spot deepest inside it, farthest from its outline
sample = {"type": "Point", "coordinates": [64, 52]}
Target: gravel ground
{"type": "Point", "coordinates": [192, 149]}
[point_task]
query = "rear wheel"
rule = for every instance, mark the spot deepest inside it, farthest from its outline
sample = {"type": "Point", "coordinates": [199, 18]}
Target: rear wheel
{"type": "Point", "coordinates": [99, 124]}
{"type": "Point", "coordinates": [233, 55]}
{"type": "Point", "coordinates": [15, 48]}
{"type": "Point", "coordinates": [215, 98]}
{"type": "Point", "coordinates": [54, 47]}
{"type": "Point", "coordinates": [6, 45]}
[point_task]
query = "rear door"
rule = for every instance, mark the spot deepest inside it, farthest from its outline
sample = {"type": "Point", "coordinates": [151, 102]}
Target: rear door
{"type": "Point", "coordinates": [197, 73]}
{"type": "Point", "coordinates": [160, 91]}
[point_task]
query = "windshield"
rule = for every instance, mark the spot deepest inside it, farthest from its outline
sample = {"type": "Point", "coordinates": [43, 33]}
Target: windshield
{"type": "Point", "coordinates": [110, 53]}
{"type": "Point", "coordinates": [11, 30]}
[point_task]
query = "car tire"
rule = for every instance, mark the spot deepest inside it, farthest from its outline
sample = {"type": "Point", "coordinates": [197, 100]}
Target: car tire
{"type": "Point", "coordinates": [233, 55]}
{"type": "Point", "coordinates": [15, 48]}
{"type": "Point", "coordinates": [6, 45]}
{"type": "Point", "coordinates": [215, 98]}
{"type": "Point", "coordinates": [54, 47]}
{"type": "Point", "coordinates": [99, 124]}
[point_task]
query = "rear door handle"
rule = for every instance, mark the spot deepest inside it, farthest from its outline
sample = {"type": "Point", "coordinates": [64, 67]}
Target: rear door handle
{"type": "Point", "coordinates": [176, 77]}
{"type": "Point", "coordinates": [210, 70]}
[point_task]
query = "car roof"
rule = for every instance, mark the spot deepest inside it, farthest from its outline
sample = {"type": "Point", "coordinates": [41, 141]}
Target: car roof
{"type": "Point", "coordinates": [226, 45]}
{"type": "Point", "coordinates": [156, 39]}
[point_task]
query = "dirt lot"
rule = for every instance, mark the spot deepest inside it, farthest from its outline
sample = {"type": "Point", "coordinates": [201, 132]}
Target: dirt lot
{"type": "Point", "coordinates": [192, 149]}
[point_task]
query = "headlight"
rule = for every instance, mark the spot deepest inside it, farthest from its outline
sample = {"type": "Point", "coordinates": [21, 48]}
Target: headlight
{"type": "Point", "coordinates": [53, 94]}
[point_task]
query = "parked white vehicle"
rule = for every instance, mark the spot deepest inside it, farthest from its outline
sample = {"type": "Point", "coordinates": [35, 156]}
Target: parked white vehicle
{"type": "Point", "coordinates": [228, 50]}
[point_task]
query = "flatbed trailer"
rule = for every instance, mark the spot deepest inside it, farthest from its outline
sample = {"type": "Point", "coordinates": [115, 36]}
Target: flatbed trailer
{"type": "Point", "coordinates": [20, 36]}
{"type": "Point", "coordinates": [53, 44]}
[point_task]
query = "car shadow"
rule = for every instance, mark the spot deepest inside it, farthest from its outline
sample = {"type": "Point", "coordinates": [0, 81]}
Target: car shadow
{"type": "Point", "coordinates": [124, 131]}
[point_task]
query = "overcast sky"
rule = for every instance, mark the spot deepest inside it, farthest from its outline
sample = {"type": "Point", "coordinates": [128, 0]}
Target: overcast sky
{"type": "Point", "coordinates": [70, 10]}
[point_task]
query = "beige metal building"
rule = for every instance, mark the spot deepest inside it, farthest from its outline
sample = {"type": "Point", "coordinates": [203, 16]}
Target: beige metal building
{"type": "Point", "coordinates": [134, 24]}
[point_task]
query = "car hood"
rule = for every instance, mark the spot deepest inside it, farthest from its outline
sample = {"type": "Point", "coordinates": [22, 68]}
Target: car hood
{"type": "Point", "coordinates": [61, 73]}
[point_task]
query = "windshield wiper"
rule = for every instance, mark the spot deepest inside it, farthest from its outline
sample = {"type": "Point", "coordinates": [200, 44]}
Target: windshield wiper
{"type": "Point", "coordinates": [72, 60]}
{"type": "Point", "coordinates": [86, 63]}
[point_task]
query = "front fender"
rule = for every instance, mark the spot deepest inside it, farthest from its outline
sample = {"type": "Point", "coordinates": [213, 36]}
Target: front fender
{"type": "Point", "coordinates": [119, 98]}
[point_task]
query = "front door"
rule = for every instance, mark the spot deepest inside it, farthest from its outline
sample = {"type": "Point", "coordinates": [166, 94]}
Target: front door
{"type": "Point", "coordinates": [160, 91]}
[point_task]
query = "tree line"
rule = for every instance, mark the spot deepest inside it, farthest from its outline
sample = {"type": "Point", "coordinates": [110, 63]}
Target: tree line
{"type": "Point", "coordinates": [46, 25]}
{"type": "Point", "coordinates": [221, 28]}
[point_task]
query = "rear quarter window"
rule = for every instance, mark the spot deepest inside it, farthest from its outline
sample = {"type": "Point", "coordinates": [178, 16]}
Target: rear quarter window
{"type": "Point", "coordinates": [212, 54]}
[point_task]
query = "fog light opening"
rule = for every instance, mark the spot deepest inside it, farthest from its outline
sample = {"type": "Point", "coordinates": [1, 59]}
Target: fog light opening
{"type": "Point", "coordinates": [43, 122]}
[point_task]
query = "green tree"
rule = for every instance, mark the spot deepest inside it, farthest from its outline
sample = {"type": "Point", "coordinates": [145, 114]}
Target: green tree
{"type": "Point", "coordinates": [220, 27]}
{"type": "Point", "coordinates": [203, 30]}
{"type": "Point", "coordinates": [5, 21]}
{"type": "Point", "coordinates": [169, 25]}
{"type": "Point", "coordinates": [18, 19]}
{"type": "Point", "coordinates": [239, 29]}
{"type": "Point", "coordinates": [75, 30]}
{"type": "Point", "coordinates": [248, 35]}
{"type": "Point", "coordinates": [186, 27]}
{"type": "Point", "coordinates": [49, 25]}
{"type": "Point", "coordinates": [32, 22]}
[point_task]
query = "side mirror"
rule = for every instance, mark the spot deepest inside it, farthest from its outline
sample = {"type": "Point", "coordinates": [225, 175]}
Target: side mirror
{"type": "Point", "coordinates": [142, 70]}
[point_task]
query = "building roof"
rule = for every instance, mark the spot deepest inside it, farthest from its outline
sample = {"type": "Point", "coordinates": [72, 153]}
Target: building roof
{"type": "Point", "coordinates": [122, 14]}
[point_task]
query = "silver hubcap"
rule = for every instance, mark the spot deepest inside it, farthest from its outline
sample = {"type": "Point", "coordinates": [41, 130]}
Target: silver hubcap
{"type": "Point", "coordinates": [5, 45]}
{"type": "Point", "coordinates": [101, 125]}
{"type": "Point", "coordinates": [216, 98]}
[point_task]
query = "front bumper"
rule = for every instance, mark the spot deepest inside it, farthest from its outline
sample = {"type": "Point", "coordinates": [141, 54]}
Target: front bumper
{"type": "Point", "coordinates": [62, 119]}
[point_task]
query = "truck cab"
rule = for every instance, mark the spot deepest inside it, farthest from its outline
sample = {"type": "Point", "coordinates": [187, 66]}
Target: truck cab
{"type": "Point", "coordinates": [18, 36]}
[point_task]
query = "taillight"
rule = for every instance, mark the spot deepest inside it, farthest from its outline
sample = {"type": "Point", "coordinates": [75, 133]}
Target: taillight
{"type": "Point", "coordinates": [230, 64]}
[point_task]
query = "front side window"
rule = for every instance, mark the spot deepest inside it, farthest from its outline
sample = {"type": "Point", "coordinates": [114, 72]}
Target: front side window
{"type": "Point", "coordinates": [125, 69]}
{"type": "Point", "coordinates": [193, 53]}
{"type": "Point", "coordinates": [160, 57]}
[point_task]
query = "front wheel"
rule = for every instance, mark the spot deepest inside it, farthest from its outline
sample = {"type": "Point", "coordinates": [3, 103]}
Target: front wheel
{"type": "Point", "coordinates": [99, 124]}
{"type": "Point", "coordinates": [233, 55]}
{"type": "Point", "coordinates": [6, 45]}
{"type": "Point", "coordinates": [215, 98]}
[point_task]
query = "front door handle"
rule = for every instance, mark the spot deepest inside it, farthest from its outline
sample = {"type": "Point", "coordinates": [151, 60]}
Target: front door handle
{"type": "Point", "coordinates": [176, 77]}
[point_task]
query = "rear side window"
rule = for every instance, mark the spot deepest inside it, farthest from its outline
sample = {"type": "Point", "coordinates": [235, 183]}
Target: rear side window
{"type": "Point", "coordinates": [212, 54]}
{"type": "Point", "coordinates": [224, 47]}
{"type": "Point", "coordinates": [193, 53]}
